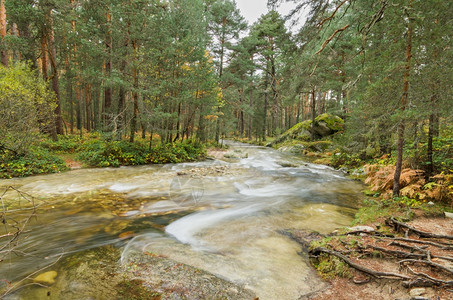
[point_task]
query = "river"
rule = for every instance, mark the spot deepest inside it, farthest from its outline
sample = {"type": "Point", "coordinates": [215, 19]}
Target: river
{"type": "Point", "coordinates": [223, 216]}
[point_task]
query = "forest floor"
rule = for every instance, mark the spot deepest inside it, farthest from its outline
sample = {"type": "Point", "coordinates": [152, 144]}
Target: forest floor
{"type": "Point", "coordinates": [385, 250]}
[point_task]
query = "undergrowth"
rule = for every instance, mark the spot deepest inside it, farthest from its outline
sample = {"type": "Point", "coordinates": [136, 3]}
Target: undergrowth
{"type": "Point", "coordinates": [45, 156]}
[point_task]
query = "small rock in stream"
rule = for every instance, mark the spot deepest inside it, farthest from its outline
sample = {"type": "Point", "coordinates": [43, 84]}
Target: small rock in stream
{"type": "Point", "coordinates": [46, 278]}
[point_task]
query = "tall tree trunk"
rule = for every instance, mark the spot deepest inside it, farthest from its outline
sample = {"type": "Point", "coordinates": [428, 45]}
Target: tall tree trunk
{"type": "Point", "coordinates": [3, 53]}
{"type": "Point", "coordinates": [134, 95]}
{"type": "Point", "coordinates": [430, 146]}
{"type": "Point", "coordinates": [222, 54]}
{"type": "Point", "coordinates": [70, 95]}
{"type": "Point", "coordinates": [15, 32]}
{"type": "Point", "coordinates": [55, 83]}
{"type": "Point", "coordinates": [119, 124]}
{"type": "Point", "coordinates": [108, 70]}
{"type": "Point", "coordinates": [313, 113]}
{"type": "Point", "coordinates": [50, 128]}
{"type": "Point", "coordinates": [266, 84]}
{"type": "Point", "coordinates": [250, 115]}
{"type": "Point", "coordinates": [88, 107]}
{"type": "Point", "coordinates": [400, 145]}
{"type": "Point", "coordinates": [44, 63]}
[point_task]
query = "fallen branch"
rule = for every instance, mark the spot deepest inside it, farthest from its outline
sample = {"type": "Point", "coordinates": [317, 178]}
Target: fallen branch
{"type": "Point", "coordinates": [363, 269]}
{"type": "Point", "coordinates": [397, 225]}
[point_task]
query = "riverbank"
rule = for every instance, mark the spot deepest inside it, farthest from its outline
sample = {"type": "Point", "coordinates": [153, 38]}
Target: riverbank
{"type": "Point", "coordinates": [354, 255]}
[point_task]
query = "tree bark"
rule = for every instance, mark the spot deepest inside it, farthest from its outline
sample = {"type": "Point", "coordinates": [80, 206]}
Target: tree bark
{"type": "Point", "coordinates": [55, 83]}
{"type": "Point", "coordinates": [400, 147]}
{"type": "Point", "coordinates": [134, 95]}
{"type": "Point", "coordinates": [108, 70]}
{"type": "Point", "coordinates": [3, 53]}
{"type": "Point", "coordinates": [313, 113]}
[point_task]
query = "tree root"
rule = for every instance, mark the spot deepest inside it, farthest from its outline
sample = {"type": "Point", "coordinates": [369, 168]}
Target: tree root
{"type": "Point", "coordinates": [413, 252]}
{"type": "Point", "coordinates": [398, 225]}
{"type": "Point", "coordinates": [430, 278]}
{"type": "Point", "coordinates": [438, 245]}
{"type": "Point", "coordinates": [376, 274]}
{"type": "Point", "coordinates": [427, 262]}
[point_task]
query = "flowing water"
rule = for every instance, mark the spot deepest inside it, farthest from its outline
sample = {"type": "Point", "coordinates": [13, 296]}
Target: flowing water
{"type": "Point", "coordinates": [223, 216]}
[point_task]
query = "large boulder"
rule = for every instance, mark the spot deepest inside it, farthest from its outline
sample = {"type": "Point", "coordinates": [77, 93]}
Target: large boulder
{"type": "Point", "coordinates": [325, 125]}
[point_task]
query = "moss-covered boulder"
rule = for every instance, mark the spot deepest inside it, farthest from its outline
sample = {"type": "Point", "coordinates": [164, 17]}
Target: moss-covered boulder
{"type": "Point", "coordinates": [325, 125]}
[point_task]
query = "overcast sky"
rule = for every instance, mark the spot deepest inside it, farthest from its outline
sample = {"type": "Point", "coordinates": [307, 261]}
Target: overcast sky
{"type": "Point", "coordinates": [253, 9]}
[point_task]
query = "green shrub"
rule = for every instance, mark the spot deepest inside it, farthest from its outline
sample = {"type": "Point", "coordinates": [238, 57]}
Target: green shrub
{"type": "Point", "coordinates": [36, 161]}
{"type": "Point", "coordinates": [99, 153]}
{"type": "Point", "coordinates": [65, 144]}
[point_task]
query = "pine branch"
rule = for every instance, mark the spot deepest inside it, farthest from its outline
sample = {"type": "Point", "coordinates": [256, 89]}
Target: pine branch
{"type": "Point", "coordinates": [326, 42]}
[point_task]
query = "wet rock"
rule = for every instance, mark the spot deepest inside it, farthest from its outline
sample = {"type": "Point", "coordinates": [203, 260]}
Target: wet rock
{"type": "Point", "coordinates": [236, 154]}
{"type": "Point", "coordinates": [46, 278]}
{"type": "Point", "coordinates": [126, 235]}
{"type": "Point", "coordinates": [286, 164]}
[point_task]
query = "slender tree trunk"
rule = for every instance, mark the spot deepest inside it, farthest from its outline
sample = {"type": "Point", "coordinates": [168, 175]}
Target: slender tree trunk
{"type": "Point", "coordinates": [3, 53]}
{"type": "Point", "coordinates": [88, 108]}
{"type": "Point", "coordinates": [70, 95]}
{"type": "Point", "coordinates": [15, 32]}
{"type": "Point", "coordinates": [178, 123]}
{"type": "Point", "coordinates": [313, 113]}
{"type": "Point", "coordinates": [134, 95]}
{"type": "Point", "coordinates": [108, 70]}
{"type": "Point", "coordinates": [250, 115]}
{"type": "Point", "coordinates": [55, 83]}
{"type": "Point", "coordinates": [121, 100]}
{"type": "Point", "coordinates": [400, 145]}
{"type": "Point", "coordinates": [44, 63]}
{"type": "Point", "coordinates": [222, 54]}
{"type": "Point", "coordinates": [266, 84]}
{"type": "Point", "coordinates": [430, 146]}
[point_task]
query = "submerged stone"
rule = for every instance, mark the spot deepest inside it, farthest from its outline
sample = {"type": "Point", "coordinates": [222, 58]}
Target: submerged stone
{"type": "Point", "coordinates": [46, 278]}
